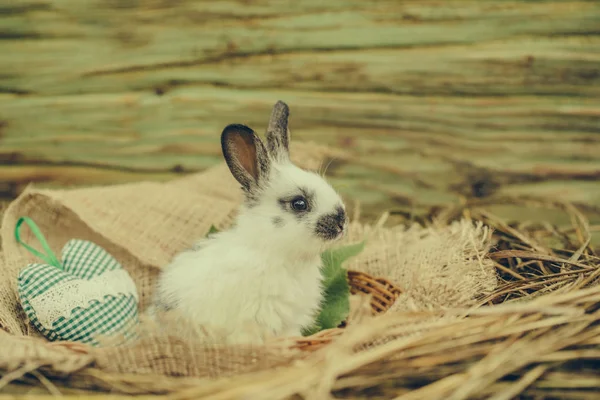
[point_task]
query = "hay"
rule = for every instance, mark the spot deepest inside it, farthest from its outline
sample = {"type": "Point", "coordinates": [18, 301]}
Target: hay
{"type": "Point", "coordinates": [530, 329]}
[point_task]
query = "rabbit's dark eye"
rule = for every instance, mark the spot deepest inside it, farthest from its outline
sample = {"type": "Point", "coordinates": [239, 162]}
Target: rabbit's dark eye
{"type": "Point", "coordinates": [299, 204]}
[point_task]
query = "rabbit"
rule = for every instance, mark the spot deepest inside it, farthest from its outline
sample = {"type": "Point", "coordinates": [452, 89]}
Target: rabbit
{"type": "Point", "coordinates": [261, 278]}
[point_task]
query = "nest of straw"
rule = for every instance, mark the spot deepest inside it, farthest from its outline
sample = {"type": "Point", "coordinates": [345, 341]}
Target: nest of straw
{"type": "Point", "coordinates": [536, 336]}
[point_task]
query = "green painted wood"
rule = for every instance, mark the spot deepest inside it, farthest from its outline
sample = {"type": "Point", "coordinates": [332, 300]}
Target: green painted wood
{"type": "Point", "coordinates": [434, 101]}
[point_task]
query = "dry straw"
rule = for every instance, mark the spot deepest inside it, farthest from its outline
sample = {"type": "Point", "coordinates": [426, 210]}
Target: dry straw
{"type": "Point", "coordinates": [454, 311]}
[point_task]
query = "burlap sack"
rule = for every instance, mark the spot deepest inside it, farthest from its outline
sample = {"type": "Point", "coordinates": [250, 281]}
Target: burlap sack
{"type": "Point", "coordinates": [144, 224]}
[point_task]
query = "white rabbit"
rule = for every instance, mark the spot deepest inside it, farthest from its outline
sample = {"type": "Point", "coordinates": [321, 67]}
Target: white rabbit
{"type": "Point", "coordinates": [262, 277]}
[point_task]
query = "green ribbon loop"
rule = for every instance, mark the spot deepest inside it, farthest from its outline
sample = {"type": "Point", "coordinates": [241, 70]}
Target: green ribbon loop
{"type": "Point", "coordinates": [49, 257]}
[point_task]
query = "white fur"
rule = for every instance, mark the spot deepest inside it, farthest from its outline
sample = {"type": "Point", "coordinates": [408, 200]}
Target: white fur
{"type": "Point", "coordinates": [256, 280]}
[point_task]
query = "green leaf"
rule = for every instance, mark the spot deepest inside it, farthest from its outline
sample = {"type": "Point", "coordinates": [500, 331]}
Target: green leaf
{"type": "Point", "coordinates": [212, 230]}
{"type": "Point", "coordinates": [336, 304]}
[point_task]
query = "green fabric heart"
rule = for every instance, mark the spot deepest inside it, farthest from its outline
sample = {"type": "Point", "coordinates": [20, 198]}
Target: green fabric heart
{"type": "Point", "coordinates": [87, 296]}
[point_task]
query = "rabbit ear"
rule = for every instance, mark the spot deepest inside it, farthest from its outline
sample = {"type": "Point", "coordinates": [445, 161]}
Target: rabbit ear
{"type": "Point", "coordinates": [278, 135]}
{"type": "Point", "coordinates": [245, 155]}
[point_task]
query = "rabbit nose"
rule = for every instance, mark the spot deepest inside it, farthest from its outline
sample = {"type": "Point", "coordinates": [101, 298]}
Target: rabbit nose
{"type": "Point", "coordinates": [331, 226]}
{"type": "Point", "coordinates": [341, 220]}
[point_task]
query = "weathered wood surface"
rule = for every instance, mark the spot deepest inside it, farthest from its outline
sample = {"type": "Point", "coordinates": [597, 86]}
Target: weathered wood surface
{"type": "Point", "coordinates": [436, 101]}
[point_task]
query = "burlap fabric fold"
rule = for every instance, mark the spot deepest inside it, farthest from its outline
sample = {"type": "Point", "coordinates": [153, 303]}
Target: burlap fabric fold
{"type": "Point", "coordinates": [144, 224]}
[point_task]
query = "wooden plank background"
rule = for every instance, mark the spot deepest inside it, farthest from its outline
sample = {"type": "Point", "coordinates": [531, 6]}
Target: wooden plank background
{"type": "Point", "coordinates": [436, 102]}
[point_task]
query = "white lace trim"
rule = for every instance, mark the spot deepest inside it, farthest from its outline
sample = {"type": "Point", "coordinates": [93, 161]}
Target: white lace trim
{"type": "Point", "coordinates": [63, 298]}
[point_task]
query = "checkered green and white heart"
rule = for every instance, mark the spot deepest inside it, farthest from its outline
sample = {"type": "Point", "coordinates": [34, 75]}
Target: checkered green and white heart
{"type": "Point", "coordinates": [83, 298]}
